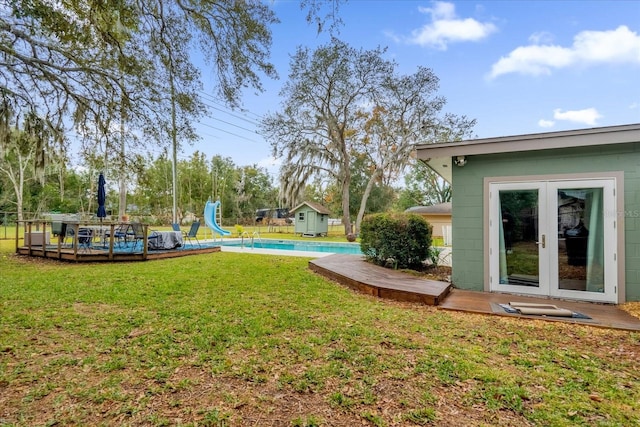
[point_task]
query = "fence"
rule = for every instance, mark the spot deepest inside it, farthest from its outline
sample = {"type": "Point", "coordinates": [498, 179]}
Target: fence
{"type": "Point", "coordinates": [9, 219]}
{"type": "Point", "coordinates": [8, 224]}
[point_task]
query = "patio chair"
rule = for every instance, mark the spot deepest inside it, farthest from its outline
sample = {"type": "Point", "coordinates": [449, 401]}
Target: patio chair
{"type": "Point", "coordinates": [175, 227]}
{"type": "Point", "coordinates": [59, 229]}
{"type": "Point", "coordinates": [85, 238]}
{"type": "Point", "coordinates": [193, 232]}
{"type": "Point", "coordinates": [137, 235]}
{"type": "Point", "coordinates": [121, 234]}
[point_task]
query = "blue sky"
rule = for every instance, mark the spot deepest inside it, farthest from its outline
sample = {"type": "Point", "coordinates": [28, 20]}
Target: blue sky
{"type": "Point", "coordinates": [517, 67]}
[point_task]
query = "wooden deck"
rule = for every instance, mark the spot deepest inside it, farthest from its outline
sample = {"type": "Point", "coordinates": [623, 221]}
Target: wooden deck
{"type": "Point", "coordinates": [101, 246]}
{"type": "Point", "coordinates": [353, 271]}
{"type": "Point", "coordinates": [104, 255]}
{"type": "Point", "coordinates": [602, 315]}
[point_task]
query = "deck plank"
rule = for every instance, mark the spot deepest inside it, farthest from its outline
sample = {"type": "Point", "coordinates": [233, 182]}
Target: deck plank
{"type": "Point", "coordinates": [353, 271]}
{"type": "Point", "coordinates": [602, 315]}
{"type": "Point", "coordinates": [101, 255]}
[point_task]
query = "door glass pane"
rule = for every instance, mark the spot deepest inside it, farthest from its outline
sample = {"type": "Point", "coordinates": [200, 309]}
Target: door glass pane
{"type": "Point", "coordinates": [519, 258]}
{"type": "Point", "coordinates": [581, 239]}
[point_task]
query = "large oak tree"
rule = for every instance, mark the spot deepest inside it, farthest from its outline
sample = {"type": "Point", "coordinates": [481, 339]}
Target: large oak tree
{"type": "Point", "coordinates": [121, 72]}
{"type": "Point", "coordinates": [342, 104]}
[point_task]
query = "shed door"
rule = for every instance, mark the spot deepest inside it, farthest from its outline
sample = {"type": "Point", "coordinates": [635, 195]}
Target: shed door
{"type": "Point", "coordinates": [311, 221]}
{"type": "Point", "coordinates": [554, 238]}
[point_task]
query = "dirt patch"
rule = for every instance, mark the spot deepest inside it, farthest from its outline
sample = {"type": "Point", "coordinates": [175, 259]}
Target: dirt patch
{"type": "Point", "coordinates": [633, 308]}
{"type": "Point", "coordinates": [440, 273]}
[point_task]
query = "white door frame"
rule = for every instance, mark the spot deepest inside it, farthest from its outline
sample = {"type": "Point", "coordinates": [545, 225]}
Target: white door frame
{"type": "Point", "coordinates": [612, 184]}
{"type": "Point", "coordinates": [610, 247]}
{"type": "Point", "coordinates": [494, 245]}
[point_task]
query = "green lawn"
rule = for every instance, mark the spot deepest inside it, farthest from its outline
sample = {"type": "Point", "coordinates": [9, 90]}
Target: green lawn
{"type": "Point", "coordinates": [236, 339]}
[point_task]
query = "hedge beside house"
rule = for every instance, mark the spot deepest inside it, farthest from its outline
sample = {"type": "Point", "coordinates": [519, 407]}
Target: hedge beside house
{"type": "Point", "coordinates": [402, 239]}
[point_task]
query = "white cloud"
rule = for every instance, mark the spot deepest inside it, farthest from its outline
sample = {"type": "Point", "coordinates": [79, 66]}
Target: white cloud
{"type": "Point", "coordinates": [541, 37]}
{"type": "Point", "coordinates": [588, 116]}
{"type": "Point", "coordinates": [271, 164]}
{"type": "Point", "coordinates": [445, 28]}
{"type": "Point", "coordinates": [546, 123]}
{"type": "Point", "coordinates": [533, 60]}
{"type": "Point", "coordinates": [633, 106]}
{"type": "Point", "coordinates": [589, 48]}
{"type": "Point", "coordinates": [440, 10]}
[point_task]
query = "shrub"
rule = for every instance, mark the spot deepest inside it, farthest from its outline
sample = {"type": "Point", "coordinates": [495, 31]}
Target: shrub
{"type": "Point", "coordinates": [403, 238]}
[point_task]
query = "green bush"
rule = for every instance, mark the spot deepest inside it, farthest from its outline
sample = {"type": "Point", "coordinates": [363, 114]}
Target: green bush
{"type": "Point", "coordinates": [403, 239]}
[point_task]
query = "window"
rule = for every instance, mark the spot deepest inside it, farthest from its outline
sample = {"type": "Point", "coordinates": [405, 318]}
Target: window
{"type": "Point", "coordinates": [301, 216]}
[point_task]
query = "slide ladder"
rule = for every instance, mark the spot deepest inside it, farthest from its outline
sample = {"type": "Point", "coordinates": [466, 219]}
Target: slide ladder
{"type": "Point", "coordinates": [211, 220]}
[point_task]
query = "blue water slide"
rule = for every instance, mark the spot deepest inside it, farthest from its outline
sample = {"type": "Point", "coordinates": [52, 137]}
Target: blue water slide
{"type": "Point", "coordinates": [210, 211]}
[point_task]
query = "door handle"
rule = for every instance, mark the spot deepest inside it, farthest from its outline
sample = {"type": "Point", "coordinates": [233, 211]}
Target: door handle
{"type": "Point", "coordinates": [542, 241]}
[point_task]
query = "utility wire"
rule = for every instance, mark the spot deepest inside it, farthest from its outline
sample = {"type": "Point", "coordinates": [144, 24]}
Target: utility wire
{"type": "Point", "coordinates": [245, 119]}
{"type": "Point", "coordinates": [213, 100]}
{"type": "Point", "coordinates": [230, 133]}
{"type": "Point", "coordinates": [233, 124]}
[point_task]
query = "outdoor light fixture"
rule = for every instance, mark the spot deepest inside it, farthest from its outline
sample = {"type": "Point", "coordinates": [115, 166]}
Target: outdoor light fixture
{"type": "Point", "coordinates": [460, 160]}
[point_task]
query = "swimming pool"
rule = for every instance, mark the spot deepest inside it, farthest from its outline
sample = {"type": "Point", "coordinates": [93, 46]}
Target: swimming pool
{"type": "Point", "coordinates": [295, 245]}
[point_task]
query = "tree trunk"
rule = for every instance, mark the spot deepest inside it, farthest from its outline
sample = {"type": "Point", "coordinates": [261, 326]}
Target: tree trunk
{"type": "Point", "coordinates": [346, 216]}
{"type": "Point", "coordinates": [365, 197]}
{"type": "Point", "coordinates": [19, 192]}
{"type": "Point", "coordinates": [17, 178]}
{"type": "Point", "coordinates": [174, 146]}
{"type": "Point", "coordinates": [122, 208]}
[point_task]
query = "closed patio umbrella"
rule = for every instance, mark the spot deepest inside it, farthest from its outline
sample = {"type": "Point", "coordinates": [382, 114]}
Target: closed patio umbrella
{"type": "Point", "coordinates": [102, 197]}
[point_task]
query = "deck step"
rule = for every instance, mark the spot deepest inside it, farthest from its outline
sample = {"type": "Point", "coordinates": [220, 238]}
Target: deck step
{"type": "Point", "coordinates": [355, 272]}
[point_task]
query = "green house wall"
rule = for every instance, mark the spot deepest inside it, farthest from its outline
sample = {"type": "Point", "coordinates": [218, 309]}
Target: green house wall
{"type": "Point", "coordinates": [468, 202]}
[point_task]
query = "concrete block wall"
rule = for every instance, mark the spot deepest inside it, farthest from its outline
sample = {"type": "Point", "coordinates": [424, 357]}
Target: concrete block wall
{"type": "Point", "coordinates": [468, 202]}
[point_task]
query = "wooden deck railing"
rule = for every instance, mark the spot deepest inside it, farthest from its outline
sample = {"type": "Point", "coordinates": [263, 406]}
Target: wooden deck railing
{"type": "Point", "coordinates": [37, 236]}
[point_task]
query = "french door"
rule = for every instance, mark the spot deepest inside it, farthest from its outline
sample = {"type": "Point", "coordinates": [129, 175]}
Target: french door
{"type": "Point", "coordinates": [554, 238]}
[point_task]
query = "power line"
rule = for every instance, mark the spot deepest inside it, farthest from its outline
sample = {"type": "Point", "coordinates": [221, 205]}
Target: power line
{"type": "Point", "coordinates": [230, 133]}
{"type": "Point", "coordinates": [231, 114]}
{"type": "Point", "coordinates": [220, 104]}
{"type": "Point", "coordinates": [213, 100]}
{"type": "Point", "coordinates": [232, 124]}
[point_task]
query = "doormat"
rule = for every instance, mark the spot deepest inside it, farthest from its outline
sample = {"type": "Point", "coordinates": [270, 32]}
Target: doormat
{"type": "Point", "coordinates": [533, 309]}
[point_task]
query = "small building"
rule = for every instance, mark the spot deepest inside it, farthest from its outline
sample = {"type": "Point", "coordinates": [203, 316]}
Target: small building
{"type": "Point", "coordinates": [554, 214]}
{"type": "Point", "coordinates": [311, 219]}
{"type": "Point", "coordinates": [439, 217]}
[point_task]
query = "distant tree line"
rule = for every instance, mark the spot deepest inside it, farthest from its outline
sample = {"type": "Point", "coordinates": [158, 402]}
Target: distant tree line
{"type": "Point", "coordinates": [241, 189]}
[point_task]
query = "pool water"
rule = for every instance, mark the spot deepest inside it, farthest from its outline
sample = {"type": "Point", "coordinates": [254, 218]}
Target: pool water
{"type": "Point", "coordinates": [297, 245]}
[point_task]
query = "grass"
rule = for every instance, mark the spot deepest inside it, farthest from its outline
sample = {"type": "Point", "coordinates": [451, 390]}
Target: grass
{"type": "Point", "coordinates": [231, 339]}
{"type": "Point", "coordinates": [335, 234]}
